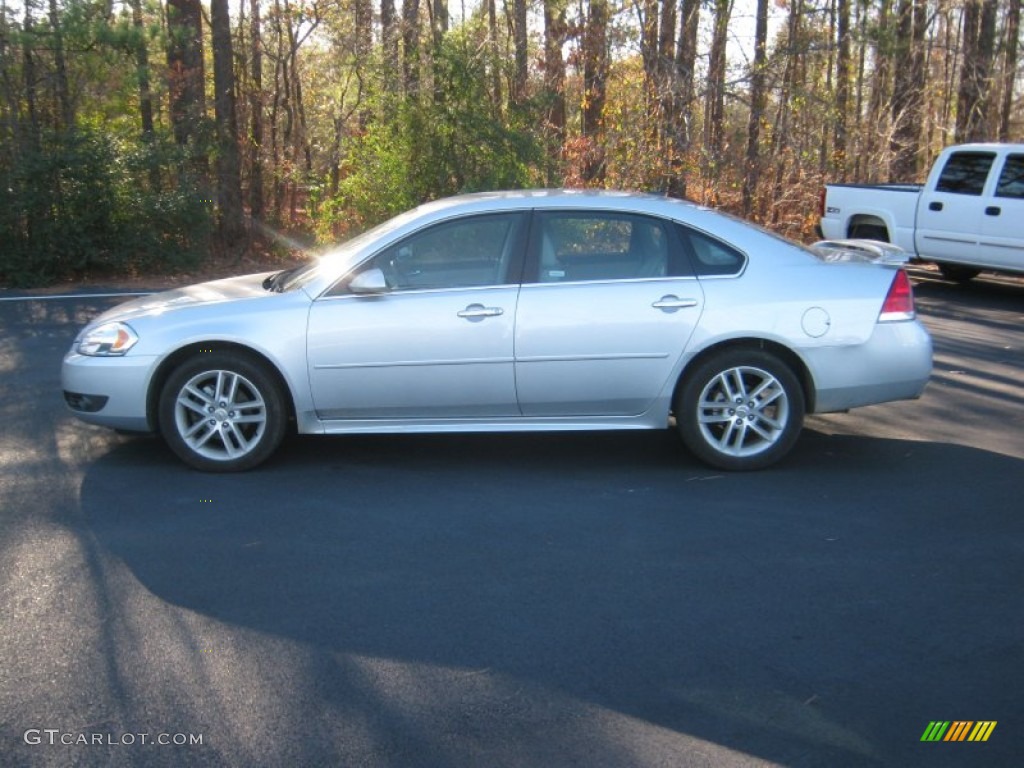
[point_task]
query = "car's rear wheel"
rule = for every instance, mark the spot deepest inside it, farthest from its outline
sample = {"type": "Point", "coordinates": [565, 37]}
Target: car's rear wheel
{"type": "Point", "coordinates": [222, 412]}
{"type": "Point", "coordinates": [740, 409]}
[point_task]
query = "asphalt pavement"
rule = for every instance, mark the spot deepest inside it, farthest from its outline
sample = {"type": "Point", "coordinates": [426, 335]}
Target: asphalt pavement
{"type": "Point", "coordinates": [520, 600]}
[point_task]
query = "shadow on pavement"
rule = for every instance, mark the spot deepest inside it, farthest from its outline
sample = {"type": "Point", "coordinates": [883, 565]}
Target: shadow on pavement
{"type": "Point", "coordinates": [775, 613]}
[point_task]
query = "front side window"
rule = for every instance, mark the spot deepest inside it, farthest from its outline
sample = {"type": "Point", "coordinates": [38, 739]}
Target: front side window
{"type": "Point", "coordinates": [965, 173]}
{"type": "Point", "coordinates": [577, 246]}
{"type": "Point", "coordinates": [1011, 180]}
{"type": "Point", "coordinates": [468, 252]}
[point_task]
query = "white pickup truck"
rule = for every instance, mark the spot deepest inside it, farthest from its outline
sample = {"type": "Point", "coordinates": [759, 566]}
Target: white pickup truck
{"type": "Point", "coordinates": [968, 216]}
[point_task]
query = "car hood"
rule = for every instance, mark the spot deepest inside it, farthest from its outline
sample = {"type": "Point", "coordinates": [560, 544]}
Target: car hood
{"type": "Point", "coordinates": [213, 292]}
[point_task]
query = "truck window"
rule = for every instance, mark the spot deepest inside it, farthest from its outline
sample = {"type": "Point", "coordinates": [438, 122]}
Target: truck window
{"type": "Point", "coordinates": [1011, 180]}
{"type": "Point", "coordinates": [965, 173]}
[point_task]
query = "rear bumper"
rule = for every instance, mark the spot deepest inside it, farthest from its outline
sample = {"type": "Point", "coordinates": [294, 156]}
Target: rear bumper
{"type": "Point", "coordinates": [894, 364]}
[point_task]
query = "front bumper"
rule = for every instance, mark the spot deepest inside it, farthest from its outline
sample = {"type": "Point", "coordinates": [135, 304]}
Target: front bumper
{"type": "Point", "coordinates": [109, 391]}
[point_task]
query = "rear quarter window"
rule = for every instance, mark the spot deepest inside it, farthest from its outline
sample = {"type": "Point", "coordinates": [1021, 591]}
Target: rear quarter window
{"type": "Point", "coordinates": [711, 257]}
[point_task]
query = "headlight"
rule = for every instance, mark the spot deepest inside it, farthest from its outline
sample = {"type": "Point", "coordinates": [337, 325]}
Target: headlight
{"type": "Point", "coordinates": [107, 340]}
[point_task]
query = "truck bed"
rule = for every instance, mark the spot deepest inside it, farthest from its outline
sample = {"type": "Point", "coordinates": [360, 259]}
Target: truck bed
{"type": "Point", "coordinates": [892, 186]}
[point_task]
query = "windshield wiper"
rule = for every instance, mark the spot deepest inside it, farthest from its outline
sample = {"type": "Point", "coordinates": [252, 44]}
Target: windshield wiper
{"type": "Point", "coordinates": [275, 282]}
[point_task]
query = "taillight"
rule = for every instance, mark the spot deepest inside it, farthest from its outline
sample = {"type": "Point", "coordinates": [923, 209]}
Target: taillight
{"type": "Point", "coordinates": [821, 202]}
{"type": "Point", "coordinates": [899, 302]}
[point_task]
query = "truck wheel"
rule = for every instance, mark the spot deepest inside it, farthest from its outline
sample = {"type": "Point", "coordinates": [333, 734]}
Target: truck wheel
{"type": "Point", "coordinates": [958, 274]}
{"type": "Point", "coordinates": [869, 232]}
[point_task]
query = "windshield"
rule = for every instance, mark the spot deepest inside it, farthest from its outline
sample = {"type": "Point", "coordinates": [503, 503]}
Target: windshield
{"type": "Point", "coordinates": [340, 260]}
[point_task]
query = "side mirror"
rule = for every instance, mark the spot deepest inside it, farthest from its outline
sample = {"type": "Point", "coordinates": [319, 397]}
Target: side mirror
{"type": "Point", "coordinates": [369, 282]}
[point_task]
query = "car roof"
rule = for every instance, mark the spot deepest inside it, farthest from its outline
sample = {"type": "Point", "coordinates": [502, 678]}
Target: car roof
{"type": "Point", "coordinates": [557, 198]}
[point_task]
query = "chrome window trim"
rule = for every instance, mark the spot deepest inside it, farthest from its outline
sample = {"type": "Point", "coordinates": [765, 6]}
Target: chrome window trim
{"type": "Point", "coordinates": [608, 281]}
{"type": "Point", "coordinates": [416, 291]}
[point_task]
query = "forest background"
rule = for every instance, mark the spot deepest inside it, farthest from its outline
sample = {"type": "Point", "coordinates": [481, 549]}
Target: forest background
{"type": "Point", "coordinates": [150, 135]}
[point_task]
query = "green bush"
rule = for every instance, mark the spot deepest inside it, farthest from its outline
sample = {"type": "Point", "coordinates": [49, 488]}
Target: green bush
{"type": "Point", "coordinates": [85, 204]}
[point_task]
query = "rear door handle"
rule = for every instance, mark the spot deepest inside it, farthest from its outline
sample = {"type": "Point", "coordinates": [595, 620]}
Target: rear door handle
{"type": "Point", "coordinates": [476, 312]}
{"type": "Point", "coordinates": [993, 210]}
{"type": "Point", "coordinates": [672, 303]}
{"type": "Point", "coordinates": [935, 206]}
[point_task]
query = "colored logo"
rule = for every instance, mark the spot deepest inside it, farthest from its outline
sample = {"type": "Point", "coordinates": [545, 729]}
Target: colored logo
{"type": "Point", "coordinates": [959, 730]}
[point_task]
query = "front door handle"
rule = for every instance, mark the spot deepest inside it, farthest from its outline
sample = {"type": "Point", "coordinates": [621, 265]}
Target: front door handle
{"type": "Point", "coordinates": [672, 303]}
{"type": "Point", "coordinates": [935, 206]}
{"type": "Point", "coordinates": [476, 312]}
{"type": "Point", "coordinates": [993, 210]}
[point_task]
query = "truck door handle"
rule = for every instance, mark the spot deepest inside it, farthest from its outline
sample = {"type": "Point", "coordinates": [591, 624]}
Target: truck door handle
{"type": "Point", "coordinates": [993, 210]}
{"type": "Point", "coordinates": [477, 312]}
{"type": "Point", "coordinates": [935, 206]}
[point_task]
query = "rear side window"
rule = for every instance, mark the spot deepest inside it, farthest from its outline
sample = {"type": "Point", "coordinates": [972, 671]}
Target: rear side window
{"type": "Point", "coordinates": [711, 257]}
{"type": "Point", "coordinates": [965, 173]}
{"type": "Point", "coordinates": [573, 246]}
{"type": "Point", "coordinates": [1011, 180]}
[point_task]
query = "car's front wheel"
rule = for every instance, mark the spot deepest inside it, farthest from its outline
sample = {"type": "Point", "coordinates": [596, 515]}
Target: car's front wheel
{"type": "Point", "coordinates": [740, 409]}
{"type": "Point", "coordinates": [221, 412]}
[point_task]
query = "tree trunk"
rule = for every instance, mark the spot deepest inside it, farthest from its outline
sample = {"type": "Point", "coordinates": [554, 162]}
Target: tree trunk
{"type": "Point", "coordinates": [28, 78]}
{"type": "Point", "coordinates": [494, 52]}
{"type": "Point", "coordinates": [439, 28]}
{"type": "Point", "coordinates": [978, 48]}
{"type": "Point", "coordinates": [908, 88]}
{"type": "Point", "coordinates": [860, 21]}
{"type": "Point", "coordinates": [839, 131]}
{"type": "Point", "coordinates": [677, 121]}
{"type": "Point", "coordinates": [229, 182]}
{"type": "Point", "coordinates": [411, 46]}
{"type": "Point", "coordinates": [595, 82]}
{"type": "Point", "coordinates": [519, 39]}
{"type": "Point", "coordinates": [256, 116]}
{"type": "Point", "coordinates": [60, 66]}
{"type": "Point", "coordinates": [185, 73]}
{"type": "Point", "coordinates": [752, 173]}
{"type": "Point", "coordinates": [649, 49]}
{"type": "Point", "coordinates": [714, 111]}
{"type": "Point", "coordinates": [142, 72]}
{"type": "Point", "coordinates": [781, 140]}
{"type": "Point", "coordinates": [665, 76]}
{"type": "Point", "coordinates": [1009, 68]}
{"type": "Point", "coordinates": [875, 145]}
{"type": "Point", "coordinates": [363, 19]}
{"type": "Point", "coordinates": [554, 82]}
{"type": "Point", "coordinates": [389, 40]}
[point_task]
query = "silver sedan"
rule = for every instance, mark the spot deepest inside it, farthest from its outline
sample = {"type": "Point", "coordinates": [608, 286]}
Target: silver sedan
{"type": "Point", "coordinates": [532, 310]}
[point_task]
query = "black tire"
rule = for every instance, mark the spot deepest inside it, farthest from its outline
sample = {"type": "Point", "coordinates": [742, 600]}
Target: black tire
{"type": "Point", "coordinates": [740, 409]}
{"type": "Point", "coordinates": [957, 273]}
{"type": "Point", "coordinates": [222, 412]}
{"type": "Point", "coordinates": [869, 232]}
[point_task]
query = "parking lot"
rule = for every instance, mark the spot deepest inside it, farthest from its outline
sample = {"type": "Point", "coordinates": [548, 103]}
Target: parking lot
{"type": "Point", "coordinates": [520, 600]}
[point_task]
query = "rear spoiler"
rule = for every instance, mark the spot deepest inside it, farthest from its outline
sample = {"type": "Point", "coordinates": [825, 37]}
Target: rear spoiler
{"type": "Point", "coordinates": [873, 251]}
